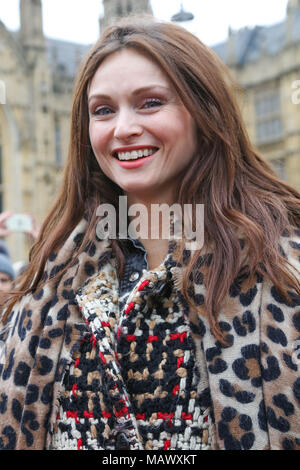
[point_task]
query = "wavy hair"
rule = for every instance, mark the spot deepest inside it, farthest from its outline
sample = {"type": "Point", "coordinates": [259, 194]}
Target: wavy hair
{"type": "Point", "coordinates": [239, 190]}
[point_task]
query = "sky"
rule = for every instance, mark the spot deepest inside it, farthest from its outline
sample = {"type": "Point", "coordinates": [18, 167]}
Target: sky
{"type": "Point", "coordinates": [77, 20]}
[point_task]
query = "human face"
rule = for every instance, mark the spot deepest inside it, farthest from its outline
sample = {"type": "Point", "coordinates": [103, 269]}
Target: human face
{"type": "Point", "coordinates": [133, 107]}
{"type": "Point", "coordinates": [5, 282]}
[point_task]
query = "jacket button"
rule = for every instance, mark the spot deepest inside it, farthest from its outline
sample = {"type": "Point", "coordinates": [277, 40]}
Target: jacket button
{"type": "Point", "coordinates": [134, 276]}
{"type": "Point", "coordinates": [122, 442]}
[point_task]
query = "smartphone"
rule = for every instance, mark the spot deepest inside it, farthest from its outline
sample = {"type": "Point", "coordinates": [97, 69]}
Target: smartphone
{"type": "Point", "coordinates": [19, 223]}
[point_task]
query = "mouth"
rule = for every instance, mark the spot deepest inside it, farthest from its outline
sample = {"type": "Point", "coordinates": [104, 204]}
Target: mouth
{"type": "Point", "coordinates": [136, 154]}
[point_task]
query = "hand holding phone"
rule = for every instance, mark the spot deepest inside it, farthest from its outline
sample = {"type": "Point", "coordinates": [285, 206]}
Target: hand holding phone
{"type": "Point", "coordinates": [19, 223]}
{"type": "Point", "coordinates": [4, 216]}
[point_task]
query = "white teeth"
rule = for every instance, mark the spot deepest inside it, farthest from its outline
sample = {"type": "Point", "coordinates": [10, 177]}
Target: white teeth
{"type": "Point", "coordinates": [135, 154]}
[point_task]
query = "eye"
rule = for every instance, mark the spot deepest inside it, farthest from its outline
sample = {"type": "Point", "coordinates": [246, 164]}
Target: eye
{"type": "Point", "coordinates": [102, 111]}
{"type": "Point", "coordinates": [152, 103]}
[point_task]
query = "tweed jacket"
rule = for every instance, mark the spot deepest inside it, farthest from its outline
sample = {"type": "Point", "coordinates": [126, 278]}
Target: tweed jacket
{"type": "Point", "coordinates": [74, 377]}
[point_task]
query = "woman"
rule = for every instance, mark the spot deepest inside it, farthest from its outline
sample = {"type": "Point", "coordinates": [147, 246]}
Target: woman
{"type": "Point", "coordinates": [144, 344]}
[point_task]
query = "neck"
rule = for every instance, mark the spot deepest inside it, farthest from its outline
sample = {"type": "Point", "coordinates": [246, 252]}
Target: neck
{"type": "Point", "coordinates": [166, 197]}
{"type": "Point", "coordinates": [150, 225]}
{"type": "Point", "coordinates": [148, 210]}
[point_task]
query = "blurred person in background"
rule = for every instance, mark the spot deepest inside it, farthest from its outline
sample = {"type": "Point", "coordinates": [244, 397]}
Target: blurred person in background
{"type": "Point", "coordinates": [20, 265]}
{"type": "Point", "coordinates": [7, 273]}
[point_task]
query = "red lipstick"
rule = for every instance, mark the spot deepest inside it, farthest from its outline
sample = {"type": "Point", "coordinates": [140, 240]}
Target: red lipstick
{"type": "Point", "coordinates": [132, 148]}
{"type": "Point", "coordinates": [132, 164]}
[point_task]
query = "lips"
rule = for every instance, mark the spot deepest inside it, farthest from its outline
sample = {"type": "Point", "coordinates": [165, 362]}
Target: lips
{"type": "Point", "coordinates": [134, 152]}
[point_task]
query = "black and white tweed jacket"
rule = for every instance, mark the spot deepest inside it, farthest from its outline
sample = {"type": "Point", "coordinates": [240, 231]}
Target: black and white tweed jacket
{"type": "Point", "coordinates": [134, 383]}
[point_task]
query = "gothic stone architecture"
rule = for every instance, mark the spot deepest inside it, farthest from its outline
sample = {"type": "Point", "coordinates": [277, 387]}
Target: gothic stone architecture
{"type": "Point", "coordinates": [265, 62]}
{"type": "Point", "coordinates": [114, 9]}
{"type": "Point", "coordinates": [38, 75]}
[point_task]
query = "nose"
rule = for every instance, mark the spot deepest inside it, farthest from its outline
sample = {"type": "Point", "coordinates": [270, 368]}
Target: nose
{"type": "Point", "coordinates": [127, 125]}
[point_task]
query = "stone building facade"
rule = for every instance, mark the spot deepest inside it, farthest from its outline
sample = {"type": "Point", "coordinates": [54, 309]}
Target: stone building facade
{"type": "Point", "coordinates": [38, 76]}
{"type": "Point", "coordinates": [265, 62]}
{"type": "Point", "coordinates": [115, 9]}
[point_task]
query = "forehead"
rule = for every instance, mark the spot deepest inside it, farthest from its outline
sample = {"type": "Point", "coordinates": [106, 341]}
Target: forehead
{"type": "Point", "coordinates": [127, 68]}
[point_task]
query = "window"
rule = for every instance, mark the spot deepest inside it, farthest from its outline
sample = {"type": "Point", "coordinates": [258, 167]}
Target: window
{"type": "Point", "coordinates": [129, 6]}
{"type": "Point", "coordinates": [279, 167]}
{"type": "Point", "coordinates": [58, 152]}
{"type": "Point", "coordinates": [268, 117]}
{"type": "Point", "coordinates": [119, 9]}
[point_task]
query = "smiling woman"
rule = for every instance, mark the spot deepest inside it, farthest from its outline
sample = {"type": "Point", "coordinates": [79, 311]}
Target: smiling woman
{"type": "Point", "coordinates": [139, 123]}
{"type": "Point", "coordinates": [143, 343]}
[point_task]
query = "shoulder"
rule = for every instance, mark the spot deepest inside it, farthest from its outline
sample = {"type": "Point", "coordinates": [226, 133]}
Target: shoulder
{"type": "Point", "coordinates": [290, 248]}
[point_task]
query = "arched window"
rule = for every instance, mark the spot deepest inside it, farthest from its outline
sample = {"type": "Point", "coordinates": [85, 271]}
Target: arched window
{"type": "Point", "coordinates": [269, 125]}
{"type": "Point", "coordinates": [58, 149]}
{"type": "Point", "coordinates": [279, 167]}
{"type": "Point", "coordinates": [129, 6]}
{"type": "Point", "coordinates": [119, 9]}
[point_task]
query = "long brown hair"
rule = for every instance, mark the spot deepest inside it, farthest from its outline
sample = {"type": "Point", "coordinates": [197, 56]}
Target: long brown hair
{"type": "Point", "coordinates": [239, 190]}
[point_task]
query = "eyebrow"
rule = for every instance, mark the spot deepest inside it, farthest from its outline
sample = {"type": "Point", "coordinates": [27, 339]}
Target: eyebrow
{"type": "Point", "coordinates": [136, 92]}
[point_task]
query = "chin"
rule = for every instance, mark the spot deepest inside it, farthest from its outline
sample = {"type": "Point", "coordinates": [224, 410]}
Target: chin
{"type": "Point", "coordinates": [136, 188]}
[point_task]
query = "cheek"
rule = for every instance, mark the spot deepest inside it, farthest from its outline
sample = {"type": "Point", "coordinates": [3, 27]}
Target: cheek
{"type": "Point", "coordinates": [98, 140]}
{"type": "Point", "coordinates": [94, 139]}
{"type": "Point", "coordinates": [184, 137]}
{"type": "Point", "coordinates": [97, 144]}
{"type": "Point", "coordinates": [179, 129]}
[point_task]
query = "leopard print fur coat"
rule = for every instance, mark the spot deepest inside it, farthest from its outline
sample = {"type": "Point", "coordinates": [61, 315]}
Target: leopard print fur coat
{"type": "Point", "coordinates": [73, 376]}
